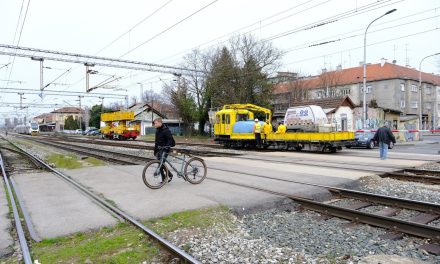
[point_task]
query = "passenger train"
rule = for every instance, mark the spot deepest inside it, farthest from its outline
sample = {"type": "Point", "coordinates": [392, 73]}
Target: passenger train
{"type": "Point", "coordinates": [30, 129]}
{"type": "Point", "coordinates": [233, 128]}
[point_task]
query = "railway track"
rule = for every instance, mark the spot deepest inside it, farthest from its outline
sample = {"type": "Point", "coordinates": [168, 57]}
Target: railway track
{"type": "Point", "coordinates": [398, 172]}
{"type": "Point", "coordinates": [417, 226]}
{"type": "Point", "coordinates": [134, 145]}
{"type": "Point", "coordinates": [174, 250]}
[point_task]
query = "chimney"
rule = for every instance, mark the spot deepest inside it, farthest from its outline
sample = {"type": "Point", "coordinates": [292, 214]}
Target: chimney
{"type": "Point", "coordinates": [323, 70]}
{"type": "Point", "coordinates": [382, 62]}
{"type": "Point", "coordinates": [339, 67]}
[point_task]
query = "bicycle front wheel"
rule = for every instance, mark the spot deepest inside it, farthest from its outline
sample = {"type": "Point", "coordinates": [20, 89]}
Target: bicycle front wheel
{"type": "Point", "coordinates": [152, 175]}
{"type": "Point", "coordinates": [195, 170]}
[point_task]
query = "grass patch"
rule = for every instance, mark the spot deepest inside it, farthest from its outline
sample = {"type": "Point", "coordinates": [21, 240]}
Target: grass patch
{"type": "Point", "coordinates": [119, 244]}
{"type": "Point", "coordinates": [94, 161]}
{"type": "Point", "coordinates": [123, 243]}
{"type": "Point", "coordinates": [64, 161]}
{"type": "Point", "coordinates": [202, 218]}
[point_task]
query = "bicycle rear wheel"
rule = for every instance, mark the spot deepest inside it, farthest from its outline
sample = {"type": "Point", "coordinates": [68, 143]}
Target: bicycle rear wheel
{"type": "Point", "coordinates": [195, 170]}
{"type": "Point", "coordinates": [151, 174]}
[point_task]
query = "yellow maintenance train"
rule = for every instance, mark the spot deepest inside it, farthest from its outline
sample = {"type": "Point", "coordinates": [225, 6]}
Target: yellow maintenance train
{"type": "Point", "coordinates": [119, 125]}
{"type": "Point", "coordinates": [234, 124]}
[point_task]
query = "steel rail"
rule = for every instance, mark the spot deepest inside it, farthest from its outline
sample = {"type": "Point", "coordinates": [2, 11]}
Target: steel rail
{"type": "Point", "coordinates": [137, 146]}
{"type": "Point", "coordinates": [75, 148]}
{"type": "Point", "coordinates": [374, 198]}
{"type": "Point", "coordinates": [366, 196]}
{"type": "Point", "coordinates": [424, 172]}
{"type": "Point", "coordinates": [21, 236]}
{"type": "Point", "coordinates": [169, 246]}
{"type": "Point", "coordinates": [409, 177]}
{"type": "Point", "coordinates": [406, 227]}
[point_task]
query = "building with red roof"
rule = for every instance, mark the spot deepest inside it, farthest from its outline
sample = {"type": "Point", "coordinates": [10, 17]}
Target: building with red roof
{"type": "Point", "coordinates": [389, 86]}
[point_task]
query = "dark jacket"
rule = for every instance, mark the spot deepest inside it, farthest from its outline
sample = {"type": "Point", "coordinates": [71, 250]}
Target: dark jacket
{"type": "Point", "coordinates": [384, 135]}
{"type": "Point", "coordinates": [163, 138]}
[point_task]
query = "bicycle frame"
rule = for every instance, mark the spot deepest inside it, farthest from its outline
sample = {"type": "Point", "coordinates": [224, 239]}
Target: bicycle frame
{"type": "Point", "coordinates": [165, 160]}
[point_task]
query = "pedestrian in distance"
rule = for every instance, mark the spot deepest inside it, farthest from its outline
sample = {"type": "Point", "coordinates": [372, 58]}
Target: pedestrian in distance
{"type": "Point", "coordinates": [162, 143]}
{"type": "Point", "coordinates": [267, 129]}
{"type": "Point", "coordinates": [257, 133]}
{"type": "Point", "coordinates": [384, 137]}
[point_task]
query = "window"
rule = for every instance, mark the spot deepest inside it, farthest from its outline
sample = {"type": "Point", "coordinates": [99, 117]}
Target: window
{"type": "Point", "coordinates": [228, 119]}
{"type": "Point", "coordinates": [332, 93]}
{"type": "Point", "coordinates": [428, 106]}
{"type": "Point", "coordinates": [428, 90]}
{"type": "Point", "coordinates": [217, 119]}
{"type": "Point", "coordinates": [346, 92]}
{"type": "Point", "coordinates": [402, 87]}
{"type": "Point", "coordinates": [223, 118]}
{"type": "Point", "coordinates": [402, 103]}
{"type": "Point", "coordinates": [413, 88]}
{"type": "Point", "coordinates": [414, 104]}
{"type": "Point", "coordinates": [368, 90]}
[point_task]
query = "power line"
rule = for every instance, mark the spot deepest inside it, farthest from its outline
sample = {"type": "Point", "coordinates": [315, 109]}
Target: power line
{"type": "Point", "coordinates": [360, 47]}
{"type": "Point", "coordinates": [167, 29]}
{"type": "Point", "coordinates": [307, 44]}
{"type": "Point", "coordinates": [19, 36]}
{"type": "Point", "coordinates": [133, 27]}
{"type": "Point", "coordinates": [332, 19]}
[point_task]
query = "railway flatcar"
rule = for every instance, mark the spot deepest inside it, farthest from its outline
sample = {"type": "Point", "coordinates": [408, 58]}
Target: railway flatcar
{"type": "Point", "coordinates": [233, 128]}
{"type": "Point", "coordinates": [119, 125]}
{"type": "Point", "coordinates": [28, 129]}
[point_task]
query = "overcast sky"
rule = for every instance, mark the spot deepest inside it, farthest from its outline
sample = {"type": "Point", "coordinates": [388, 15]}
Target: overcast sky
{"type": "Point", "coordinates": [86, 27]}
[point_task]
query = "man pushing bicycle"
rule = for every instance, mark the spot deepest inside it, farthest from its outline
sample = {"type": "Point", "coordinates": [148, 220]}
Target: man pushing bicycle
{"type": "Point", "coordinates": [163, 143]}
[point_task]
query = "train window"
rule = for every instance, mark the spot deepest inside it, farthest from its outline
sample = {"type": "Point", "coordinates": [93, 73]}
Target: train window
{"type": "Point", "coordinates": [217, 119]}
{"type": "Point", "coordinates": [223, 118]}
{"type": "Point", "coordinates": [228, 119]}
{"type": "Point", "coordinates": [242, 117]}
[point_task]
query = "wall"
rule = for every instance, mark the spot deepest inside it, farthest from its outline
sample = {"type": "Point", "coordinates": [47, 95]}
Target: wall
{"type": "Point", "coordinates": [336, 118]}
{"type": "Point", "coordinates": [375, 118]}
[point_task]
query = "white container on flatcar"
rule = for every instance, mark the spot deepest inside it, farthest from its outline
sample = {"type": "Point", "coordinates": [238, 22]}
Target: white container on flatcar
{"type": "Point", "coordinates": [305, 118]}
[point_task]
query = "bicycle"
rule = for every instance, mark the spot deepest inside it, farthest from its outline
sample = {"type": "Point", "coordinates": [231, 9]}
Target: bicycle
{"type": "Point", "coordinates": [192, 170]}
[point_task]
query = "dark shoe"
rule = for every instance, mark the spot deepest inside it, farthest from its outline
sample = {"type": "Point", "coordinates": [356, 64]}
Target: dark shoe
{"type": "Point", "coordinates": [170, 178]}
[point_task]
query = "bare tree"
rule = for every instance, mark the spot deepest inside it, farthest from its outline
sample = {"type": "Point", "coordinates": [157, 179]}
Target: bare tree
{"type": "Point", "coordinates": [329, 80]}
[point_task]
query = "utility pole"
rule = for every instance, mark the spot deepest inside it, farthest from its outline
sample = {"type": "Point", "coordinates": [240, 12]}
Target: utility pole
{"type": "Point", "coordinates": [420, 94]}
{"type": "Point", "coordinates": [88, 72]}
{"type": "Point", "coordinates": [80, 111]}
{"type": "Point", "coordinates": [21, 100]}
{"type": "Point", "coordinates": [141, 92]}
{"type": "Point", "coordinates": [41, 71]}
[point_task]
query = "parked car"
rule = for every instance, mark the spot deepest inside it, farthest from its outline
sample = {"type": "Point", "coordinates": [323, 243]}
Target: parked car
{"type": "Point", "coordinates": [89, 131]}
{"type": "Point", "coordinates": [94, 132]}
{"type": "Point", "coordinates": [365, 139]}
{"type": "Point", "coordinates": [78, 131]}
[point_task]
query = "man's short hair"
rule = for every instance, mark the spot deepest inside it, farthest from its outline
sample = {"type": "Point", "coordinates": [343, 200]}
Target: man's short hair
{"type": "Point", "coordinates": [157, 119]}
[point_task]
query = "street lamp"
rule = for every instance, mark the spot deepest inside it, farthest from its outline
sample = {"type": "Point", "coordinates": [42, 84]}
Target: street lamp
{"type": "Point", "coordinates": [420, 93]}
{"type": "Point", "coordinates": [365, 69]}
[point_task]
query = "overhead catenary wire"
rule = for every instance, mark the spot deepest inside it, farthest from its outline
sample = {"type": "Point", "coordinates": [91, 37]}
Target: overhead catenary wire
{"type": "Point", "coordinates": [168, 28]}
{"type": "Point", "coordinates": [354, 12]}
{"type": "Point", "coordinates": [19, 36]}
{"type": "Point", "coordinates": [133, 27]}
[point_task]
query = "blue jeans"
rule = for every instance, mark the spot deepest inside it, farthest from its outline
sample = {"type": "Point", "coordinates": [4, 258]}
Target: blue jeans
{"type": "Point", "coordinates": [383, 147]}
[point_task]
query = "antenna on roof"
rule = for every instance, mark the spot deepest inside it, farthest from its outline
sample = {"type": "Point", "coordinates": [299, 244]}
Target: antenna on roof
{"type": "Point", "coordinates": [406, 55]}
